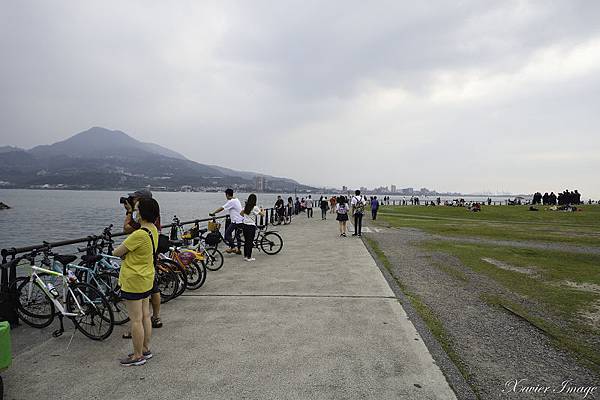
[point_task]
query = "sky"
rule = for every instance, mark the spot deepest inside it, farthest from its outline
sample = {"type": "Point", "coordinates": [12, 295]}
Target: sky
{"type": "Point", "coordinates": [465, 96]}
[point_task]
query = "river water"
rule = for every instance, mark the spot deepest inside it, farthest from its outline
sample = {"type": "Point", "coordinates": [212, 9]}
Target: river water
{"type": "Point", "coordinates": [54, 215]}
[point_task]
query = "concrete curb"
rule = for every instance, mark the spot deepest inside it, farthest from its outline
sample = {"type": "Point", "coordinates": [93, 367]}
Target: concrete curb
{"type": "Point", "coordinates": [455, 379]}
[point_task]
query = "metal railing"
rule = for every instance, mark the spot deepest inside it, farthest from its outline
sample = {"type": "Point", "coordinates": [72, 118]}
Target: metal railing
{"type": "Point", "coordinates": [8, 267]}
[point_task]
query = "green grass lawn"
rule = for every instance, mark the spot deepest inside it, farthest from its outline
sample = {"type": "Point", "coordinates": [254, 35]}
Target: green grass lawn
{"type": "Point", "coordinates": [561, 288]}
{"type": "Point", "coordinates": [501, 222]}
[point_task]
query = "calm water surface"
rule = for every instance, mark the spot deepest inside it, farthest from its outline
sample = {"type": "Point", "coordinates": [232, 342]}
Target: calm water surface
{"type": "Point", "coordinates": [54, 215]}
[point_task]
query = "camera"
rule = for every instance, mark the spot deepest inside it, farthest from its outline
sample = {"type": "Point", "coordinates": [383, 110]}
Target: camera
{"type": "Point", "coordinates": [124, 200]}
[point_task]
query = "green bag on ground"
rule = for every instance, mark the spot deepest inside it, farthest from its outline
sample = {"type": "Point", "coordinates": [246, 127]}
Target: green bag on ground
{"type": "Point", "coordinates": [5, 350]}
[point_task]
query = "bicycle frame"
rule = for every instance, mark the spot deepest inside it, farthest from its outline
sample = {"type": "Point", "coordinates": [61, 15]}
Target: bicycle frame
{"type": "Point", "coordinates": [102, 265]}
{"type": "Point", "coordinates": [35, 279]}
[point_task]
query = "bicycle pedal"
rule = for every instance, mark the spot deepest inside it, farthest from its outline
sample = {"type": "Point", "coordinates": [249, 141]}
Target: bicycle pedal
{"type": "Point", "coordinates": [57, 333]}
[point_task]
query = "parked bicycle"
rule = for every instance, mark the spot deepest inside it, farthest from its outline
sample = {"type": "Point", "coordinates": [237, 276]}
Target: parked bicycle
{"type": "Point", "coordinates": [268, 241]}
{"type": "Point", "coordinates": [39, 300]}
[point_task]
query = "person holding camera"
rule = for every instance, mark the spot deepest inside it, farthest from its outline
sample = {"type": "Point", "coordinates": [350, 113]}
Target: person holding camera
{"type": "Point", "coordinates": [233, 208]}
{"type": "Point", "coordinates": [136, 279]}
{"type": "Point", "coordinates": [132, 224]}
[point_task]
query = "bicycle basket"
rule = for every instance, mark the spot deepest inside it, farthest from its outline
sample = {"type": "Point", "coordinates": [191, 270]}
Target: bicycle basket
{"type": "Point", "coordinates": [213, 226]}
{"type": "Point", "coordinates": [212, 239]}
{"type": "Point", "coordinates": [186, 257]}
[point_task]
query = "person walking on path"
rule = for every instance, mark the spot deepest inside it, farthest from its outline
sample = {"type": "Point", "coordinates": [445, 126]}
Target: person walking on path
{"type": "Point", "coordinates": [250, 214]}
{"type": "Point", "coordinates": [131, 224]}
{"type": "Point", "coordinates": [332, 202]}
{"type": "Point", "coordinates": [358, 209]}
{"type": "Point", "coordinates": [309, 206]}
{"type": "Point", "coordinates": [233, 207]}
{"type": "Point", "coordinates": [374, 208]}
{"type": "Point", "coordinates": [136, 279]}
{"type": "Point", "coordinates": [341, 210]}
{"type": "Point", "coordinates": [324, 204]}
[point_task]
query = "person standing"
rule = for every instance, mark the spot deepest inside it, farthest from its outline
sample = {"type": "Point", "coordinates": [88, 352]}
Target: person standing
{"type": "Point", "coordinates": [250, 214]}
{"type": "Point", "coordinates": [233, 207]}
{"type": "Point", "coordinates": [279, 210]}
{"type": "Point", "coordinates": [136, 279]}
{"type": "Point", "coordinates": [132, 223]}
{"type": "Point", "coordinates": [309, 206]}
{"type": "Point", "coordinates": [358, 209]}
{"type": "Point", "coordinates": [374, 208]}
{"type": "Point", "coordinates": [341, 210]}
{"type": "Point", "coordinates": [324, 204]}
{"type": "Point", "coordinates": [332, 202]}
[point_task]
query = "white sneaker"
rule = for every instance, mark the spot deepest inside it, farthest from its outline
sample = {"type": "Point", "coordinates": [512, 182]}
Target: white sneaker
{"type": "Point", "coordinates": [251, 259]}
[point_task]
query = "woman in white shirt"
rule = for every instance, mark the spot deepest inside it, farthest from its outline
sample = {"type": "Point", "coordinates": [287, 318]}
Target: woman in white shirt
{"type": "Point", "coordinates": [250, 214]}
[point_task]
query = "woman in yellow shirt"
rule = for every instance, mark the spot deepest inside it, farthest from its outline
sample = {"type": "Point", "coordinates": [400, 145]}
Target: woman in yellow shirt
{"type": "Point", "coordinates": [137, 278]}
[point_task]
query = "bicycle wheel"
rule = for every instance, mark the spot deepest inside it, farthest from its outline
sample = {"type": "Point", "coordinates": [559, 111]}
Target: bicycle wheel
{"type": "Point", "coordinates": [35, 309]}
{"type": "Point", "coordinates": [213, 258]}
{"type": "Point", "coordinates": [271, 243]}
{"type": "Point", "coordinates": [167, 281]}
{"type": "Point", "coordinates": [196, 275]}
{"type": "Point", "coordinates": [109, 282]}
{"type": "Point", "coordinates": [180, 273]}
{"type": "Point", "coordinates": [95, 317]}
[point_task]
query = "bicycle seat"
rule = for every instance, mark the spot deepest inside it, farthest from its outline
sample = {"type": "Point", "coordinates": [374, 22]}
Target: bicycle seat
{"type": "Point", "coordinates": [202, 231]}
{"type": "Point", "coordinates": [66, 259]}
{"type": "Point", "coordinates": [91, 259]}
{"type": "Point", "coordinates": [176, 243]}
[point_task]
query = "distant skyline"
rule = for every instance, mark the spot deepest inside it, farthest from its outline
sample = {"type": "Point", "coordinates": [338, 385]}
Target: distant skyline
{"type": "Point", "coordinates": [466, 96]}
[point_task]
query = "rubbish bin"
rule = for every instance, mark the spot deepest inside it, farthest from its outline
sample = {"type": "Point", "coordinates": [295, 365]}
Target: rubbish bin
{"type": "Point", "coordinates": [5, 351]}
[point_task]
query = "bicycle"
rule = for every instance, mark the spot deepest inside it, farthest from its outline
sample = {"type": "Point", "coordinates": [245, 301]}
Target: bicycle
{"type": "Point", "coordinates": [268, 241]}
{"type": "Point", "coordinates": [196, 240]}
{"type": "Point", "coordinates": [85, 305]}
{"type": "Point", "coordinates": [101, 270]}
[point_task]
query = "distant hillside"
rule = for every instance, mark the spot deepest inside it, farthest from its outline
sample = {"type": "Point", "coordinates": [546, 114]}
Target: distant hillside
{"type": "Point", "coordinates": [110, 159]}
{"type": "Point", "coordinates": [250, 175]}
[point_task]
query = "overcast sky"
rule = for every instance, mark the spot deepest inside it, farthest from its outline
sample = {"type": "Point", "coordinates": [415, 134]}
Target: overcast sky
{"type": "Point", "coordinates": [452, 95]}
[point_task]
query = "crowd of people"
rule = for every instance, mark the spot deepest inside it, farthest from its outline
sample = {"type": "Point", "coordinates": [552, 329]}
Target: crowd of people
{"type": "Point", "coordinates": [142, 223]}
{"type": "Point", "coordinates": [562, 199]}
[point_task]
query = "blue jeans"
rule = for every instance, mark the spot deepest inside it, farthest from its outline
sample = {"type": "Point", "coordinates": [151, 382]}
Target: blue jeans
{"type": "Point", "coordinates": [232, 227]}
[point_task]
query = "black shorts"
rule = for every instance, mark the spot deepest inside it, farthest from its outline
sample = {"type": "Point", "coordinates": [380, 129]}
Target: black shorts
{"type": "Point", "coordinates": [155, 288]}
{"type": "Point", "coordinates": [135, 296]}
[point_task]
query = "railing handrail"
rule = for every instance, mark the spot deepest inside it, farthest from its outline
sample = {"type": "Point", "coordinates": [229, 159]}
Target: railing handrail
{"type": "Point", "coordinates": [13, 251]}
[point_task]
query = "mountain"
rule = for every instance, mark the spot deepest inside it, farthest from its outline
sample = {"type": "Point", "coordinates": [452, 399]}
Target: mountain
{"type": "Point", "coordinates": [100, 158]}
{"type": "Point", "coordinates": [99, 141]}
{"type": "Point", "coordinates": [250, 175]}
{"type": "Point", "coordinates": [9, 149]}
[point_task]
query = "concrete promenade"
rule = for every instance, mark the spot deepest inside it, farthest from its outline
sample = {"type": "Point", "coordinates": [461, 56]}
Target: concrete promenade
{"type": "Point", "coordinates": [317, 321]}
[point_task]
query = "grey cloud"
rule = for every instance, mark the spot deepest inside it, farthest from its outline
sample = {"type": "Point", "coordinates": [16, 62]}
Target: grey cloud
{"type": "Point", "coordinates": [300, 81]}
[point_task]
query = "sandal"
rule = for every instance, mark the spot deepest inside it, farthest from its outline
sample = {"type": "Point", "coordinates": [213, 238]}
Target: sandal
{"type": "Point", "coordinates": [156, 322]}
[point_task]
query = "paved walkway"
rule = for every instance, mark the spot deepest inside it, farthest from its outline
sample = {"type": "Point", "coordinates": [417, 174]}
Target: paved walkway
{"type": "Point", "coordinates": [317, 321]}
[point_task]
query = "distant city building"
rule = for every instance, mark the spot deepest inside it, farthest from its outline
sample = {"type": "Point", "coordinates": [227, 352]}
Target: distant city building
{"type": "Point", "coordinates": [260, 183]}
{"type": "Point", "coordinates": [407, 191]}
{"type": "Point", "coordinates": [393, 188]}
{"type": "Point", "coordinates": [363, 189]}
{"type": "Point", "coordinates": [424, 191]}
